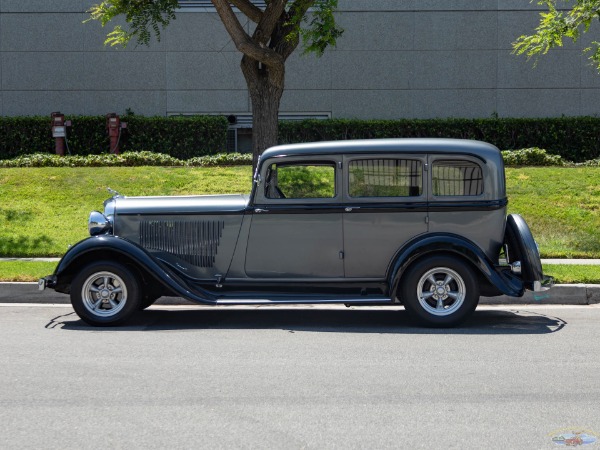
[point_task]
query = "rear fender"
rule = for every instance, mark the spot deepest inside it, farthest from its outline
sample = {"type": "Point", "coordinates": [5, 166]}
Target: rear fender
{"type": "Point", "coordinates": [437, 243]}
{"type": "Point", "coordinates": [522, 247]}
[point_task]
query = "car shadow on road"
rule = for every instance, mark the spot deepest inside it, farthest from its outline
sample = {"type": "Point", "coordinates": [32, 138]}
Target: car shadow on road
{"type": "Point", "coordinates": [372, 320]}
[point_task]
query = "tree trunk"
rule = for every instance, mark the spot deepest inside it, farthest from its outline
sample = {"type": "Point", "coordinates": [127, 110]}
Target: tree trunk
{"type": "Point", "coordinates": [265, 85]}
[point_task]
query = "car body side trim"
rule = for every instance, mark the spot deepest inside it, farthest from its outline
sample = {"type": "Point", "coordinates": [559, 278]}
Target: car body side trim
{"type": "Point", "coordinates": [365, 208]}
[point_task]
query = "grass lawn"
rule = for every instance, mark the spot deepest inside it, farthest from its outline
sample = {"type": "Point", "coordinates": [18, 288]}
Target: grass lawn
{"type": "Point", "coordinates": [25, 270]}
{"type": "Point", "coordinates": [44, 210]}
{"type": "Point", "coordinates": [34, 270]}
{"type": "Point", "coordinates": [562, 207]}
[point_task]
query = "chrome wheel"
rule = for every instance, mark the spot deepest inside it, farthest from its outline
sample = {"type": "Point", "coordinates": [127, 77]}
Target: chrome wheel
{"type": "Point", "coordinates": [441, 291]}
{"type": "Point", "coordinates": [104, 294]}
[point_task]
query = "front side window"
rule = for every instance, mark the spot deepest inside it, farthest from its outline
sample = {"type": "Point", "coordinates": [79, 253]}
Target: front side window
{"type": "Point", "coordinates": [385, 178]}
{"type": "Point", "coordinates": [456, 178]}
{"type": "Point", "coordinates": [298, 181]}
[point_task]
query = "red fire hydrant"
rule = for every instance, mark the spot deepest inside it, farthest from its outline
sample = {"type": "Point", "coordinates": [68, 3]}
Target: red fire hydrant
{"type": "Point", "coordinates": [59, 131]}
{"type": "Point", "coordinates": [114, 127]}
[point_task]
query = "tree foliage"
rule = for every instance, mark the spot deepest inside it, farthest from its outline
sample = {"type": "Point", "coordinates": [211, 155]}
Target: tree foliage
{"type": "Point", "coordinates": [143, 17]}
{"type": "Point", "coordinates": [280, 26]}
{"type": "Point", "coordinates": [557, 23]}
{"type": "Point", "coordinates": [317, 31]}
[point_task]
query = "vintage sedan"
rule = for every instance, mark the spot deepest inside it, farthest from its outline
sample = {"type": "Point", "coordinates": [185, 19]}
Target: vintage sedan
{"type": "Point", "coordinates": [415, 222]}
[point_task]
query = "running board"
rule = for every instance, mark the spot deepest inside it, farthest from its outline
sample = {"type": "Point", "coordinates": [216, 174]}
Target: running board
{"type": "Point", "coordinates": [300, 301]}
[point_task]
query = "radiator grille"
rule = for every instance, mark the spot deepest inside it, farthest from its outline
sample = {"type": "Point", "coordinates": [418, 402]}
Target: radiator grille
{"type": "Point", "coordinates": [195, 242]}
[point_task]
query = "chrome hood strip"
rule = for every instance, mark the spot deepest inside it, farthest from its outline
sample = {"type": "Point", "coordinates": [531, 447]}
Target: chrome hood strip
{"type": "Point", "coordinates": [199, 204]}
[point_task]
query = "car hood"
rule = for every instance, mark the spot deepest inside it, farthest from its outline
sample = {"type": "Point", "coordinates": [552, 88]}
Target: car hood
{"type": "Point", "coordinates": [201, 204]}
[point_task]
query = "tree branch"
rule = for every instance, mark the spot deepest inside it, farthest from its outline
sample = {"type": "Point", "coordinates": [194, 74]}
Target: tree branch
{"type": "Point", "coordinates": [286, 39]}
{"type": "Point", "coordinates": [242, 41]}
{"type": "Point", "coordinates": [269, 21]}
{"type": "Point", "coordinates": [253, 13]}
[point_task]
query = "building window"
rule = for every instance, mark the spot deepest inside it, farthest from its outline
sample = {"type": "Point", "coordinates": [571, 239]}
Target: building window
{"type": "Point", "coordinates": [208, 3]}
{"type": "Point", "coordinates": [239, 135]}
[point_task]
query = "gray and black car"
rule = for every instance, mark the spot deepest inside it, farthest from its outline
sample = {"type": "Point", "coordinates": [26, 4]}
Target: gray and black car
{"type": "Point", "coordinates": [415, 222]}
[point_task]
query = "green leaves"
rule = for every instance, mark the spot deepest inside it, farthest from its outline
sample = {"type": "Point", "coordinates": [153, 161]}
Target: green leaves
{"type": "Point", "coordinates": [316, 29]}
{"type": "Point", "coordinates": [557, 24]}
{"type": "Point", "coordinates": [145, 17]}
{"type": "Point", "coordinates": [322, 31]}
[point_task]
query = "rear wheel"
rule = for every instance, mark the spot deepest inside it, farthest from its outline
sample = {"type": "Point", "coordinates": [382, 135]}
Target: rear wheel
{"type": "Point", "coordinates": [439, 291]}
{"type": "Point", "coordinates": [105, 293]}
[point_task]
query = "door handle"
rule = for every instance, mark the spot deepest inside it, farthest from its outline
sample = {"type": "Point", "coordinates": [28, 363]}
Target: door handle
{"type": "Point", "coordinates": [349, 209]}
{"type": "Point", "coordinates": [259, 210]}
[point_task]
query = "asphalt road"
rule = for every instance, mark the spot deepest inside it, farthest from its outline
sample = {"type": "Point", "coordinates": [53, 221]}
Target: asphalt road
{"type": "Point", "coordinates": [298, 378]}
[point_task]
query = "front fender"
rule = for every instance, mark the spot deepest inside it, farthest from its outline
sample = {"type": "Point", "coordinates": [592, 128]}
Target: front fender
{"type": "Point", "coordinates": [108, 246]}
{"type": "Point", "coordinates": [437, 243]}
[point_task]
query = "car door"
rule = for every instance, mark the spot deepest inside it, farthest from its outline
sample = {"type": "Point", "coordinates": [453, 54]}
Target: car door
{"type": "Point", "coordinates": [296, 227]}
{"type": "Point", "coordinates": [386, 206]}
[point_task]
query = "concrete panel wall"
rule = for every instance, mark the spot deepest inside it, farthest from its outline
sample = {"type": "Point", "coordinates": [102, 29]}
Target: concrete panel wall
{"type": "Point", "coordinates": [397, 58]}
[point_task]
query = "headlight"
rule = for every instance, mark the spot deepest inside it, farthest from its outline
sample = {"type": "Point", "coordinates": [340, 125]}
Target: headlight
{"type": "Point", "coordinates": [98, 223]}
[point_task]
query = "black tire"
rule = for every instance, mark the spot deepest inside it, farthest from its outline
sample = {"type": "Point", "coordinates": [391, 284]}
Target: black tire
{"type": "Point", "coordinates": [148, 300]}
{"type": "Point", "coordinates": [105, 293]}
{"type": "Point", "coordinates": [450, 301]}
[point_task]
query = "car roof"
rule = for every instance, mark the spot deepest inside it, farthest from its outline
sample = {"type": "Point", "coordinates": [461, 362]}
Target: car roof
{"type": "Point", "coordinates": [480, 149]}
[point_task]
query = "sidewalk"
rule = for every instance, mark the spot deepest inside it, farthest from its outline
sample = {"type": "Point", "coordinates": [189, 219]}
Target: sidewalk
{"type": "Point", "coordinates": [573, 262]}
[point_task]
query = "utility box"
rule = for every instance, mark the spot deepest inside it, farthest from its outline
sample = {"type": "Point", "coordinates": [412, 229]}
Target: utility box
{"type": "Point", "coordinates": [114, 128]}
{"type": "Point", "coordinates": [59, 126]}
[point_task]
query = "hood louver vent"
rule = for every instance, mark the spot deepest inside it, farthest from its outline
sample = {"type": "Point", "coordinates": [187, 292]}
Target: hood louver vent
{"type": "Point", "coordinates": [195, 242]}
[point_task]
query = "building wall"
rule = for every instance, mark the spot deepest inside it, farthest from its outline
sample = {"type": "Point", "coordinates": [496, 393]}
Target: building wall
{"type": "Point", "coordinates": [397, 58]}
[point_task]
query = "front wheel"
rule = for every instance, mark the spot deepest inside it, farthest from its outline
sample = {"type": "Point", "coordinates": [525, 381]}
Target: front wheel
{"type": "Point", "coordinates": [439, 291]}
{"type": "Point", "coordinates": [105, 293]}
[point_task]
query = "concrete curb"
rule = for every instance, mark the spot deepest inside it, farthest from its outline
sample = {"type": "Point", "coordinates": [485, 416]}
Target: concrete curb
{"type": "Point", "coordinates": [560, 294]}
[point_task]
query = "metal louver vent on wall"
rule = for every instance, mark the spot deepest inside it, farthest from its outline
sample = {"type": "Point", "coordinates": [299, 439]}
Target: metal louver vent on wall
{"type": "Point", "coordinates": [195, 242]}
{"type": "Point", "coordinates": [208, 4]}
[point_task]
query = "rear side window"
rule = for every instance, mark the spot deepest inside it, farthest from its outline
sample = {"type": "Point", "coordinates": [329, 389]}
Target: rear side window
{"type": "Point", "coordinates": [456, 178]}
{"type": "Point", "coordinates": [385, 178]}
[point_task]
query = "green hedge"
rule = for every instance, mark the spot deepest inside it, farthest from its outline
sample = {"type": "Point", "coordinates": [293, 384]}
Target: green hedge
{"type": "Point", "coordinates": [180, 137]}
{"type": "Point", "coordinates": [531, 157]}
{"type": "Point", "coordinates": [523, 157]}
{"type": "Point", "coordinates": [126, 159]}
{"type": "Point", "coordinates": [573, 138]}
